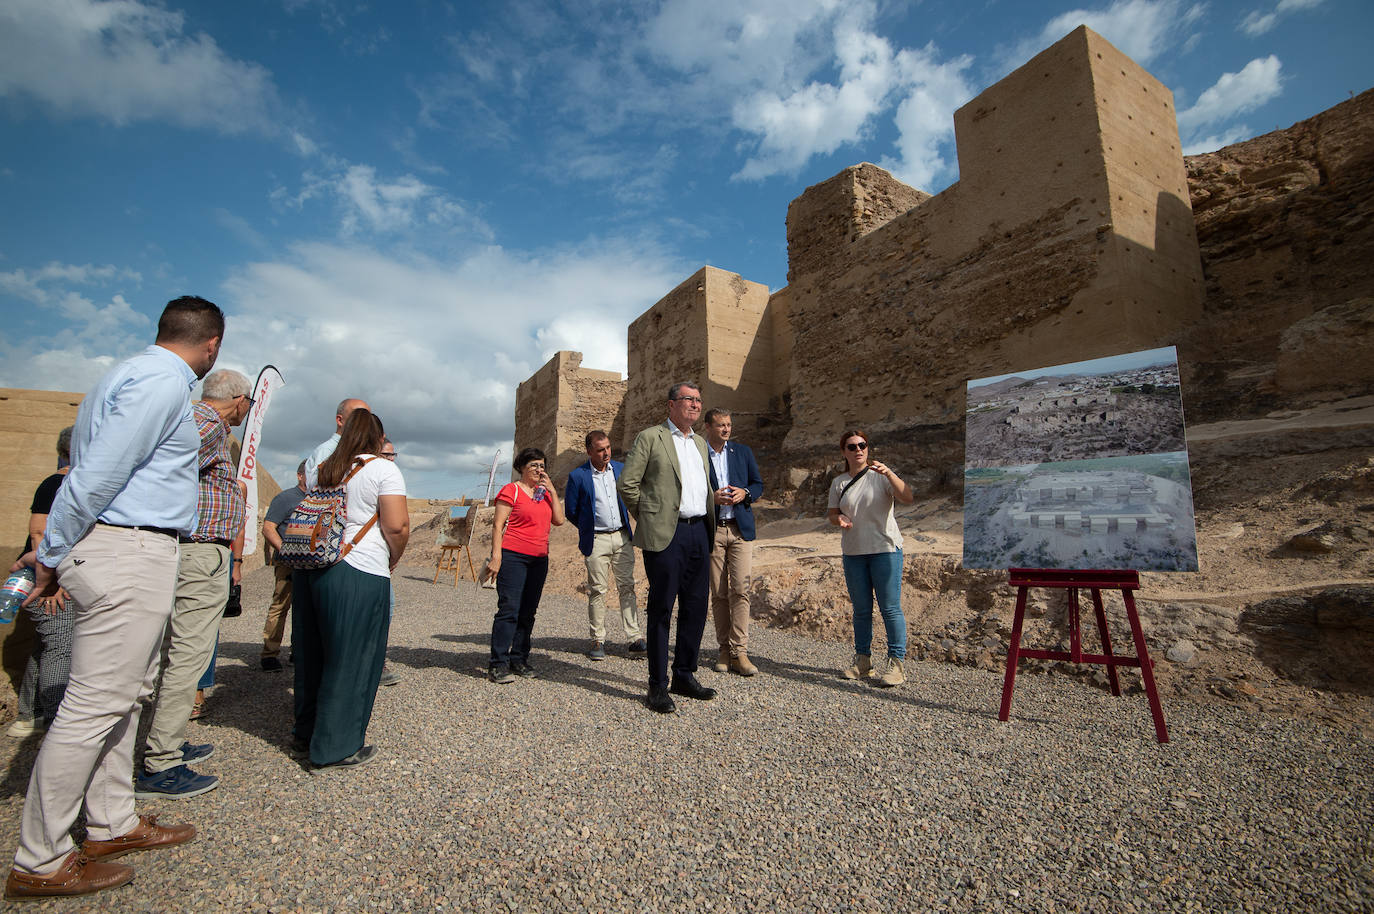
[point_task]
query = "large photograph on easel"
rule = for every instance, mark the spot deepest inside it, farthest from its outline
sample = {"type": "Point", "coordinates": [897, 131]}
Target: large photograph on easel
{"type": "Point", "coordinates": [1083, 465]}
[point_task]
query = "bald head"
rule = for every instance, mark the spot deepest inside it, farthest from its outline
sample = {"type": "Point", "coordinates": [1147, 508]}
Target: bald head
{"type": "Point", "coordinates": [346, 407]}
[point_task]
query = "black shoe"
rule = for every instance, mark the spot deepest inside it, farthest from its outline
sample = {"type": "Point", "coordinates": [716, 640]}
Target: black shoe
{"type": "Point", "coordinates": [361, 757]}
{"type": "Point", "coordinates": [522, 668]}
{"type": "Point", "coordinates": [659, 701]}
{"type": "Point", "coordinates": [271, 664]}
{"type": "Point", "coordinates": [300, 748]}
{"type": "Point", "coordinates": [500, 673]}
{"type": "Point", "coordinates": [688, 686]}
{"type": "Point", "coordinates": [638, 647]}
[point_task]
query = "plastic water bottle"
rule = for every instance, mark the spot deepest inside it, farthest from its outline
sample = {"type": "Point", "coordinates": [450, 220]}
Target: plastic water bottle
{"type": "Point", "coordinates": [16, 590]}
{"type": "Point", "coordinates": [539, 492]}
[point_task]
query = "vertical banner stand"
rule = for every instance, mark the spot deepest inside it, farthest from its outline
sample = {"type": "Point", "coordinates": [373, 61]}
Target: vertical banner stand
{"type": "Point", "coordinates": [1095, 581]}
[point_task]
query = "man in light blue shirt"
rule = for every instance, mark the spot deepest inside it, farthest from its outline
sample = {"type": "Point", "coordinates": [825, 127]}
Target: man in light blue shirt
{"type": "Point", "coordinates": [112, 542]}
{"type": "Point", "coordinates": [327, 446]}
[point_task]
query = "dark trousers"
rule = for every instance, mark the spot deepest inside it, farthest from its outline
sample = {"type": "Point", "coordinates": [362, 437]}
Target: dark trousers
{"type": "Point", "coordinates": [519, 585]}
{"type": "Point", "coordinates": [339, 621]}
{"type": "Point", "coordinates": [682, 572]}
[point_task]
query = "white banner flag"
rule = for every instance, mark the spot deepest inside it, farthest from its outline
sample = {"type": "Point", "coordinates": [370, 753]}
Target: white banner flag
{"type": "Point", "coordinates": [269, 379]}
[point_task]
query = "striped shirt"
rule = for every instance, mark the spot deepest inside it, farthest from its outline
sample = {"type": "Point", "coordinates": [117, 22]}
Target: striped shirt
{"type": "Point", "coordinates": [222, 503]}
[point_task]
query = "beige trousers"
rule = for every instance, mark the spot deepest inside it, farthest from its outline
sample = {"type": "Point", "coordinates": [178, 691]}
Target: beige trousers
{"type": "Point", "coordinates": [202, 591]}
{"type": "Point", "coordinates": [122, 582]}
{"type": "Point", "coordinates": [612, 551]}
{"type": "Point", "coordinates": [731, 562]}
{"type": "Point", "coordinates": [275, 629]}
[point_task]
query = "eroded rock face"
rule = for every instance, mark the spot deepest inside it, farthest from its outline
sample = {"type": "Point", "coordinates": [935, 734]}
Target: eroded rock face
{"type": "Point", "coordinates": [1331, 350]}
{"type": "Point", "coordinates": [1285, 224]}
{"type": "Point", "coordinates": [1324, 639]}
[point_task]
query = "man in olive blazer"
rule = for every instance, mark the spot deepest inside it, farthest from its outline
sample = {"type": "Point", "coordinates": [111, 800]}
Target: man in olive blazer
{"type": "Point", "coordinates": [665, 487]}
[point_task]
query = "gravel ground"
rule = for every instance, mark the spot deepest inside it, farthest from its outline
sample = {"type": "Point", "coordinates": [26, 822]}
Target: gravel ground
{"type": "Point", "coordinates": [792, 791]}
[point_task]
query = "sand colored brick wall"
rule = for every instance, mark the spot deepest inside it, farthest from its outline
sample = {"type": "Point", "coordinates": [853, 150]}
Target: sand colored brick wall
{"type": "Point", "coordinates": [30, 421]}
{"type": "Point", "coordinates": [1018, 265]}
{"type": "Point", "coordinates": [560, 403]}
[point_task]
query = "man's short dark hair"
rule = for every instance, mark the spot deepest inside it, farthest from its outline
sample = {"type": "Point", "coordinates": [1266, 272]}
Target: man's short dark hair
{"type": "Point", "coordinates": [300, 470]}
{"type": "Point", "coordinates": [715, 413]}
{"type": "Point", "coordinates": [191, 320]}
{"type": "Point", "coordinates": [677, 388]}
{"type": "Point", "coordinates": [595, 434]}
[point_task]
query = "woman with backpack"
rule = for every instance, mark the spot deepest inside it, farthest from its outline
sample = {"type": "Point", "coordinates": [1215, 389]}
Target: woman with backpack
{"type": "Point", "coordinates": [340, 614]}
{"type": "Point", "coordinates": [861, 502]}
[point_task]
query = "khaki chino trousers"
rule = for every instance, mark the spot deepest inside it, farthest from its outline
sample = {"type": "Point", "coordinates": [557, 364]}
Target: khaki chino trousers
{"type": "Point", "coordinates": [612, 551]}
{"type": "Point", "coordinates": [732, 562]}
{"type": "Point", "coordinates": [202, 591]}
{"type": "Point", "coordinates": [122, 581]}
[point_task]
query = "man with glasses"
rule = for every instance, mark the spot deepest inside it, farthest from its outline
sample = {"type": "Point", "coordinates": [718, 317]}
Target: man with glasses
{"type": "Point", "coordinates": [665, 487]}
{"type": "Point", "coordinates": [209, 563]}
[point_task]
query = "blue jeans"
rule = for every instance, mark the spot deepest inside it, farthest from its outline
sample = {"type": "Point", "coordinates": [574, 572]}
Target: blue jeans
{"type": "Point", "coordinates": [880, 574]}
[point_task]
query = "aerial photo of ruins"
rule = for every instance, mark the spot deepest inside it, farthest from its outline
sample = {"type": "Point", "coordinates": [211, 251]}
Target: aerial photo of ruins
{"type": "Point", "coordinates": [1102, 408]}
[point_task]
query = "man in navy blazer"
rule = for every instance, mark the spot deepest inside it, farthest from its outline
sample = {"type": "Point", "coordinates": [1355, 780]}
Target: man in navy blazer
{"type": "Point", "coordinates": [603, 536]}
{"type": "Point", "coordinates": [736, 484]}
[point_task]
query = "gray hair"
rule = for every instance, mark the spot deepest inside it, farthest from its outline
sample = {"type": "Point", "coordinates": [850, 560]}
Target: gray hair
{"type": "Point", "coordinates": [64, 444]}
{"type": "Point", "coordinates": [677, 388]}
{"type": "Point", "coordinates": [226, 384]}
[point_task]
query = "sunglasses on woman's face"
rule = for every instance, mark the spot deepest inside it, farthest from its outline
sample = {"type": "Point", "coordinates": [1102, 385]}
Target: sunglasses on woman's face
{"type": "Point", "coordinates": [859, 446]}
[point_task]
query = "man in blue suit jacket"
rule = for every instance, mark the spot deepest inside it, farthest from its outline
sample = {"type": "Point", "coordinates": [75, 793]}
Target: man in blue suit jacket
{"type": "Point", "coordinates": [736, 485]}
{"type": "Point", "coordinates": [603, 536]}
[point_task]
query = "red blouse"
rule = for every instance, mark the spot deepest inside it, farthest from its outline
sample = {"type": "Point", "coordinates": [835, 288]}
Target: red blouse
{"type": "Point", "coordinates": [527, 531]}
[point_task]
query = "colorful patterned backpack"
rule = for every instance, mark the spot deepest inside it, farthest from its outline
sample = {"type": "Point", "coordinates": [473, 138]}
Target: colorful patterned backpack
{"type": "Point", "coordinates": [312, 534]}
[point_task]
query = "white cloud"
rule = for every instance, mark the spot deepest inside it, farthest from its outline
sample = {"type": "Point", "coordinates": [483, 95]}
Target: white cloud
{"type": "Point", "coordinates": [1216, 141]}
{"type": "Point", "coordinates": [369, 205]}
{"type": "Point", "coordinates": [1233, 94]}
{"type": "Point", "coordinates": [1140, 29]}
{"type": "Point", "coordinates": [1258, 23]}
{"type": "Point", "coordinates": [128, 61]}
{"type": "Point", "coordinates": [436, 347]}
{"type": "Point", "coordinates": [925, 118]}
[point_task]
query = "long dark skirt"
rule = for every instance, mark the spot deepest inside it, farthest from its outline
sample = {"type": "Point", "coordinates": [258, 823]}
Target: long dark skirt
{"type": "Point", "coordinates": [339, 619]}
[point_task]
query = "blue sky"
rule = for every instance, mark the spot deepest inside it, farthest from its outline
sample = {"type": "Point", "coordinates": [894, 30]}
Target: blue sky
{"type": "Point", "coordinates": [1167, 355]}
{"type": "Point", "coordinates": [418, 203]}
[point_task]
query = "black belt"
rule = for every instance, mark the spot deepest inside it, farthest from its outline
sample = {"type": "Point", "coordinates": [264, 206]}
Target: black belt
{"type": "Point", "coordinates": [164, 531]}
{"type": "Point", "coordinates": [692, 520]}
{"type": "Point", "coordinates": [186, 540]}
{"type": "Point", "coordinates": [726, 522]}
{"type": "Point", "coordinates": [616, 530]}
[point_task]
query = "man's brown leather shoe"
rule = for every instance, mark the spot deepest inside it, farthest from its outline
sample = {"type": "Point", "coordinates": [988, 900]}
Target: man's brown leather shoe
{"type": "Point", "coordinates": [143, 836]}
{"type": "Point", "coordinates": [76, 876]}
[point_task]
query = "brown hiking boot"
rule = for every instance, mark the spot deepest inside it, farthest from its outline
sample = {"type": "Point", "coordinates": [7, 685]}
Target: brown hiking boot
{"type": "Point", "coordinates": [861, 668]}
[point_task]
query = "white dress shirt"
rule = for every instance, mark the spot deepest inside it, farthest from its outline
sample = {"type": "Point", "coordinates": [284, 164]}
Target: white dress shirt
{"type": "Point", "coordinates": [720, 462]}
{"type": "Point", "coordinates": [694, 483]}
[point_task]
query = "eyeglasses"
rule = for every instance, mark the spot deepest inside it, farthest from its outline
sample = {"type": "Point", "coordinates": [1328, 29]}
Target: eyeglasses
{"type": "Point", "coordinates": [250, 400]}
{"type": "Point", "coordinates": [391, 456]}
{"type": "Point", "coordinates": [861, 446]}
{"type": "Point", "coordinates": [696, 400]}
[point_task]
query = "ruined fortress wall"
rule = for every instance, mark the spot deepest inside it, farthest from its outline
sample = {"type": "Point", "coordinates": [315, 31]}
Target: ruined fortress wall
{"type": "Point", "coordinates": [30, 421]}
{"type": "Point", "coordinates": [1018, 265]}
{"type": "Point", "coordinates": [1285, 222]}
{"type": "Point", "coordinates": [560, 403]}
{"type": "Point", "coordinates": [739, 359]}
{"type": "Point", "coordinates": [780, 322]}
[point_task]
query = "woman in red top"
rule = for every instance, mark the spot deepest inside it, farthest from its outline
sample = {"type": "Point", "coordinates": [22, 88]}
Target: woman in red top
{"type": "Point", "coordinates": [525, 509]}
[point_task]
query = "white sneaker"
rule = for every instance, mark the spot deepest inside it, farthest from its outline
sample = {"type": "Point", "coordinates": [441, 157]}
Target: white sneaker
{"type": "Point", "coordinates": [22, 727]}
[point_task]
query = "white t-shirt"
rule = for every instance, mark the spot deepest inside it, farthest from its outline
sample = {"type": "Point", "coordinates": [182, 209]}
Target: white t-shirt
{"type": "Point", "coordinates": [868, 504]}
{"type": "Point", "coordinates": [377, 478]}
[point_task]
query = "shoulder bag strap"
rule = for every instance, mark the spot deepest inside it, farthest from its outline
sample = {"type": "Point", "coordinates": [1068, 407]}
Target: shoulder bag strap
{"type": "Point", "coordinates": [849, 485]}
{"type": "Point", "coordinates": [367, 526]}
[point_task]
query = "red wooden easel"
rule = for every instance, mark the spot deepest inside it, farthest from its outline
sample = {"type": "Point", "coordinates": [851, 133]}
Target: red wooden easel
{"type": "Point", "coordinates": [1096, 581]}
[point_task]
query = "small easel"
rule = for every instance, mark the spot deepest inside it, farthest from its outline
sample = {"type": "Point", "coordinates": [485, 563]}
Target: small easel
{"type": "Point", "coordinates": [1096, 581]}
{"type": "Point", "coordinates": [452, 547]}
